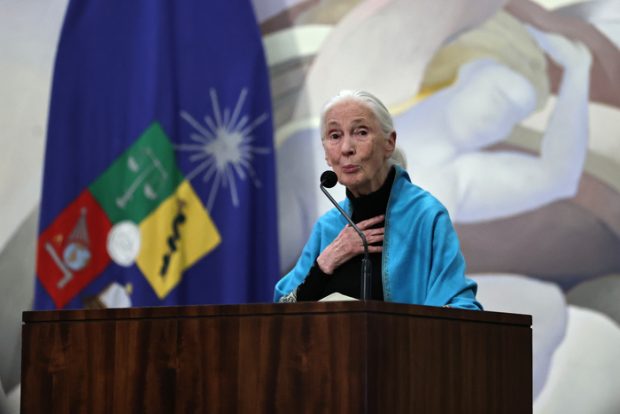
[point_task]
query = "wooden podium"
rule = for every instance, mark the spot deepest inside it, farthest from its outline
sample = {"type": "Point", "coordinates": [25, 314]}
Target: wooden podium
{"type": "Point", "coordinates": [327, 357]}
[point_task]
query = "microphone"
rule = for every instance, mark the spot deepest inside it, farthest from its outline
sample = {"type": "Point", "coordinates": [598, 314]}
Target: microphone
{"type": "Point", "coordinates": [329, 179]}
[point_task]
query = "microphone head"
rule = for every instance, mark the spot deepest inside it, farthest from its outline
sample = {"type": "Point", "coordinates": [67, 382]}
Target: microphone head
{"type": "Point", "coordinates": [329, 179]}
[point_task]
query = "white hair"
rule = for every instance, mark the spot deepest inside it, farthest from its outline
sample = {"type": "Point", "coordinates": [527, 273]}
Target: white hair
{"type": "Point", "coordinates": [365, 98]}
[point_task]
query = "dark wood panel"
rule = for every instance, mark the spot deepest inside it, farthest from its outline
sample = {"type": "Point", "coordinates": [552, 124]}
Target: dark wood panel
{"type": "Point", "coordinates": [144, 362]}
{"type": "Point", "coordinates": [449, 366]}
{"type": "Point", "coordinates": [277, 309]}
{"type": "Point", "coordinates": [338, 357]}
{"type": "Point", "coordinates": [124, 366]}
{"type": "Point", "coordinates": [268, 365]}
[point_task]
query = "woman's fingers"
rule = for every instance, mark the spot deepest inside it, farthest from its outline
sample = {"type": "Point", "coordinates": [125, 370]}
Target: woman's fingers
{"type": "Point", "coordinates": [348, 244]}
{"type": "Point", "coordinates": [374, 235]}
{"type": "Point", "coordinates": [375, 249]}
{"type": "Point", "coordinates": [351, 243]}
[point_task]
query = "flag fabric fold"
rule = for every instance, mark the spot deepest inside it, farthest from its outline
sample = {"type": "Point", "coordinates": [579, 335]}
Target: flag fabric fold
{"type": "Point", "coordinates": [159, 181]}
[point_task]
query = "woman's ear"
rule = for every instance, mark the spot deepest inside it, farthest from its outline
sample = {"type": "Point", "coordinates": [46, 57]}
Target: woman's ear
{"type": "Point", "coordinates": [390, 144]}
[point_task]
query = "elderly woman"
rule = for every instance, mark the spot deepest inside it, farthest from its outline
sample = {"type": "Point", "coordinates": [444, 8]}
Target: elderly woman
{"type": "Point", "coordinates": [414, 250]}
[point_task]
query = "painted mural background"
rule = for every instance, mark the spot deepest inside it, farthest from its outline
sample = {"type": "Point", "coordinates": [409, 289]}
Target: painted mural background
{"type": "Point", "coordinates": [507, 111]}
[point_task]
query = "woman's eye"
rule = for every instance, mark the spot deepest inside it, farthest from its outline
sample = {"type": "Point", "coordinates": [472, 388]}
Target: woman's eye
{"type": "Point", "coordinates": [334, 136]}
{"type": "Point", "coordinates": [362, 132]}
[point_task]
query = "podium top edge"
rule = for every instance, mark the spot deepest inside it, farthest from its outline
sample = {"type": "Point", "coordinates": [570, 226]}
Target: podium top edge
{"type": "Point", "coordinates": [282, 309]}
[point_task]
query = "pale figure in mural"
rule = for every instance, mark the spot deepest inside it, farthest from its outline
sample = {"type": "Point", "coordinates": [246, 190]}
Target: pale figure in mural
{"type": "Point", "coordinates": [445, 135]}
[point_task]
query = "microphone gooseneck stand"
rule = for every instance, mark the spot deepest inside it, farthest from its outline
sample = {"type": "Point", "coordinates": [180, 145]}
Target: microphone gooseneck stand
{"type": "Point", "coordinates": [329, 179]}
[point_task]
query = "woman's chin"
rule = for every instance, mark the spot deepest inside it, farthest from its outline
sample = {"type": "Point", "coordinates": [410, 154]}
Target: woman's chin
{"type": "Point", "coordinates": [349, 180]}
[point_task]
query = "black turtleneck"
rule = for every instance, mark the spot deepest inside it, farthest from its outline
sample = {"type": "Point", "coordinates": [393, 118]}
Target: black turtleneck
{"type": "Point", "coordinates": [346, 278]}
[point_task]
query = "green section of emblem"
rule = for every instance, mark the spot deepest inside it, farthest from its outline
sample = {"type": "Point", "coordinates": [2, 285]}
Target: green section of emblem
{"type": "Point", "coordinates": [140, 179]}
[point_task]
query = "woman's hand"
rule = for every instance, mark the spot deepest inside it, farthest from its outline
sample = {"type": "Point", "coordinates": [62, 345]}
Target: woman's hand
{"type": "Point", "coordinates": [348, 244]}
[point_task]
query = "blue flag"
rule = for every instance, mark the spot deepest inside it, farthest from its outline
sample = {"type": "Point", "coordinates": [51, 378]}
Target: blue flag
{"type": "Point", "coordinates": [159, 182]}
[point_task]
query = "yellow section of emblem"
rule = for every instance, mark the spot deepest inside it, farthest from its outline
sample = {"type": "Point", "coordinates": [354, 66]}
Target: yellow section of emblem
{"type": "Point", "coordinates": [174, 236]}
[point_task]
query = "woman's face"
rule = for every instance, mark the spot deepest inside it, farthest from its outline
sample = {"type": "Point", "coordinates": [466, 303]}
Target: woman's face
{"type": "Point", "coordinates": [355, 147]}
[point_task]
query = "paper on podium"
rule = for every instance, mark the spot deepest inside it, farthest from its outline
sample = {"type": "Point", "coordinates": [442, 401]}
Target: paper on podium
{"type": "Point", "coordinates": [336, 297]}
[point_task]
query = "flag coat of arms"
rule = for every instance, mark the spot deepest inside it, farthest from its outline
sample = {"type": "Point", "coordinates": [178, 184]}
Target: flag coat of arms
{"type": "Point", "coordinates": [159, 182]}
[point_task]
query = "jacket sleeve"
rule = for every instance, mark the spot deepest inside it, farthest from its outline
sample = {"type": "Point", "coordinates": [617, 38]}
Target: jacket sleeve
{"type": "Point", "coordinates": [286, 288]}
{"type": "Point", "coordinates": [448, 285]}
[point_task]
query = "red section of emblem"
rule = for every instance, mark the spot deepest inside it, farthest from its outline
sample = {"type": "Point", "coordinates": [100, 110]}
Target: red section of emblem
{"type": "Point", "coordinates": [72, 250]}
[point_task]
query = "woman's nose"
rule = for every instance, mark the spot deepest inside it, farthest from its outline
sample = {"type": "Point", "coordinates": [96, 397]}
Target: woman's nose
{"type": "Point", "coordinates": [348, 145]}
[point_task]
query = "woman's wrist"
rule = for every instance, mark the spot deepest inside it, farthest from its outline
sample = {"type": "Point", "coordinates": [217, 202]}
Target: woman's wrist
{"type": "Point", "coordinates": [324, 264]}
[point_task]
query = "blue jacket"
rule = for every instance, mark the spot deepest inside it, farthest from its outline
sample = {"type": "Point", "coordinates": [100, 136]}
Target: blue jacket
{"type": "Point", "coordinates": [422, 261]}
